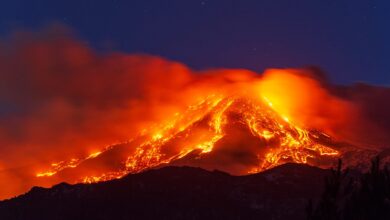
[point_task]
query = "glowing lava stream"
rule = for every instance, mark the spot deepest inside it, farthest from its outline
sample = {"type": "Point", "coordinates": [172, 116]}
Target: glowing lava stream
{"type": "Point", "coordinates": [293, 143]}
{"type": "Point", "coordinates": [72, 163]}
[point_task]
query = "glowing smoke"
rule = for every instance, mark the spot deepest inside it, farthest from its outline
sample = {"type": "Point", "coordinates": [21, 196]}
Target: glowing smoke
{"type": "Point", "coordinates": [60, 98]}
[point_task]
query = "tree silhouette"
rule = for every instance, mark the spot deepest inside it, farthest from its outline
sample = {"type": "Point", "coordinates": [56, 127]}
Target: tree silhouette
{"type": "Point", "coordinates": [364, 197]}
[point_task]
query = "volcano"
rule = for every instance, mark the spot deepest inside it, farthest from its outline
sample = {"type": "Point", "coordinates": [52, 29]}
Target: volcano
{"type": "Point", "coordinates": [236, 134]}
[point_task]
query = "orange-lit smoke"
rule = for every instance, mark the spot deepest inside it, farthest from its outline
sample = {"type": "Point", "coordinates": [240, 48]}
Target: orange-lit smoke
{"type": "Point", "coordinates": [61, 100]}
{"type": "Point", "coordinates": [298, 96]}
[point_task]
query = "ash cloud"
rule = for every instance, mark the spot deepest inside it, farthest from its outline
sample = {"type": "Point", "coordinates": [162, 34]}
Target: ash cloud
{"type": "Point", "coordinates": [59, 97]}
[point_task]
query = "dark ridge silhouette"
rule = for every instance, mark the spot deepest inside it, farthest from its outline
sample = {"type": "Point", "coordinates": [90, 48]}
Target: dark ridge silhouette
{"type": "Point", "coordinates": [176, 193]}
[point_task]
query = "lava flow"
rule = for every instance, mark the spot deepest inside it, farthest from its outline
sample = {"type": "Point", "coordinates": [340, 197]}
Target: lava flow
{"type": "Point", "coordinates": [74, 115]}
{"type": "Point", "coordinates": [192, 136]}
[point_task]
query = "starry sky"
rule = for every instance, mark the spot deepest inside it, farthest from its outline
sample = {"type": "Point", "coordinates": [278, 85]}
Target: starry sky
{"type": "Point", "coordinates": [350, 40]}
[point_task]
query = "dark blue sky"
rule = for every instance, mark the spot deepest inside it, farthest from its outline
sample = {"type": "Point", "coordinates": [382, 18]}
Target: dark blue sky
{"type": "Point", "coordinates": [350, 40]}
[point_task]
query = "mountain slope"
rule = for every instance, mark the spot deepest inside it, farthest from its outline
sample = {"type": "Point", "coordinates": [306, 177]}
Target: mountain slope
{"type": "Point", "coordinates": [176, 193]}
{"type": "Point", "coordinates": [237, 134]}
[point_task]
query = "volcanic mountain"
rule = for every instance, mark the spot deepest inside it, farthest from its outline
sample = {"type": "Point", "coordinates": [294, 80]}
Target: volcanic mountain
{"type": "Point", "coordinates": [263, 157]}
{"type": "Point", "coordinates": [235, 134]}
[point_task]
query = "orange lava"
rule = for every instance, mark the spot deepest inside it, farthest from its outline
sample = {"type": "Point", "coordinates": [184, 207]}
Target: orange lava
{"type": "Point", "coordinates": [294, 144]}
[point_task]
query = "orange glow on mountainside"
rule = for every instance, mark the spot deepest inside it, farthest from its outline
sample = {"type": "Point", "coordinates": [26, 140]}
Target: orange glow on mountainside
{"type": "Point", "coordinates": [82, 116]}
{"type": "Point", "coordinates": [202, 125]}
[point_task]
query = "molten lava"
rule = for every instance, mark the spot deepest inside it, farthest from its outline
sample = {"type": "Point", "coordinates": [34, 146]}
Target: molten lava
{"type": "Point", "coordinates": [198, 130]}
{"type": "Point", "coordinates": [74, 115]}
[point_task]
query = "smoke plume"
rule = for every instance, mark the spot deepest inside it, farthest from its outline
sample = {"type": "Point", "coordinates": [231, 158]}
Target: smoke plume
{"type": "Point", "coordinates": [61, 99]}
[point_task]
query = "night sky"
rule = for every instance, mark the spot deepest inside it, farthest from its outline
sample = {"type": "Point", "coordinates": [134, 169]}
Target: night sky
{"type": "Point", "coordinates": [350, 40]}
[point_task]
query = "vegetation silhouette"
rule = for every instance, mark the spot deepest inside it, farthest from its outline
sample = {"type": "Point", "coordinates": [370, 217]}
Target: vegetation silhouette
{"type": "Point", "coordinates": [348, 197]}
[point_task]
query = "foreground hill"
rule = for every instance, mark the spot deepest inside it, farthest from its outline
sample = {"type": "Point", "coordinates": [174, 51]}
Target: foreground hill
{"type": "Point", "coordinates": [176, 193]}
